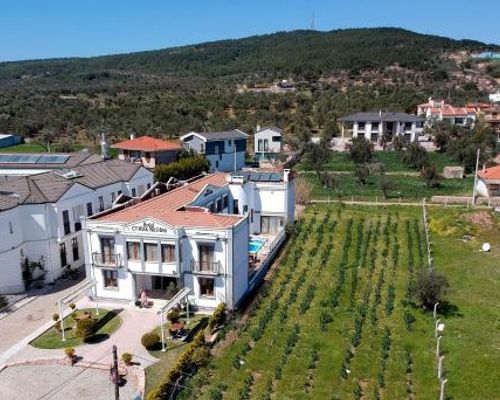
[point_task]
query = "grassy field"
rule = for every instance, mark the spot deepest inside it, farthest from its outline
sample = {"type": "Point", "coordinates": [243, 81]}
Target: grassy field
{"type": "Point", "coordinates": [351, 334]}
{"type": "Point", "coordinates": [390, 159]}
{"type": "Point", "coordinates": [108, 321]}
{"type": "Point", "coordinates": [405, 187]}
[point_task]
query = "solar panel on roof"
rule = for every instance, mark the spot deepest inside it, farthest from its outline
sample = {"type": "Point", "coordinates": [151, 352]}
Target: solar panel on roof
{"type": "Point", "coordinates": [53, 159]}
{"type": "Point", "coordinates": [18, 158]}
{"type": "Point", "coordinates": [275, 178]}
{"type": "Point", "coordinates": [254, 176]}
{"type": "Point", "coordinates": [264, 177]}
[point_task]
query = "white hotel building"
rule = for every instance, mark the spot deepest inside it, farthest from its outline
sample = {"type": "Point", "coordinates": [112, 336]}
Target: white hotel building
{"type": "Point", "coordinates": [41, 214]}
{"type": "Point", "coordinates": [216, 236]}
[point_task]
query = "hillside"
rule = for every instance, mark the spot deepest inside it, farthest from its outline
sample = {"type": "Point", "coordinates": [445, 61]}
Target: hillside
{"type": "Point", "coordinates": [295, 53]}
{"type": "Point", "coordinates": [170, 91]}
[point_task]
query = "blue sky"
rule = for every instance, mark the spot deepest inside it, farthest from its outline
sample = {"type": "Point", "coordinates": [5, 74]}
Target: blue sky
{"type": "Point", "coordinates": [62, 28]}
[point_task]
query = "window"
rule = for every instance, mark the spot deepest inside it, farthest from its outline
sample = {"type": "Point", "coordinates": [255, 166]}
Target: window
{"type": "Point", "coordinates": [133, 251]}
{"type": "Point", "coordinates": [11, 228]}
{"type": "Point", "coordinates": [167, 253]}
{"type": "Point", "coordinates": [74, 248]}
{"type": "Point", "coordinates": [67, 228]}
{"type": "Point", "coordinates": [271, 224]}
{"type": "Point", "coordinates": [151, 252]}
{"type": "Point", "coordinates": [89, 210]}
{"type": "Point", "coordinates": [107, 249]}
{"type": "Point", "coordinates": [276, 139]}
{"type": "Point", "coordinates": [202, 148]}
{"type": "Point", "coordinates": [216, 164]}
{"type": "Point", "coordinates": [374, 126]}
{"type": "Point", "coordinates": [220, 204]}
{"type": "Point", "coordinates": [260, 146]}
{"type": "Point", "coordinates": [266, 145]}
{"type": "Point", "coordinates": [101, 203]}
{"type": "Point", "coordinates": [133, 192]}
{"type": "Point", "coordinates": [206, 287]}
{"type": "Point", "coordinates": [148, 156]}
{"type": "Point", "coordinates": [113, 197]}
{"type": "Point", "coordinates": [245, 209]}
{"type": "Point", "coordinates": [110, 279]}
{"type": "Point", "coordinates": [361, 125]}
{"type": "Point", "coordinates": [206, 256]}
{"type": "Point", "coordinates": [62, 254]}
{"type": "Point", "coordinates": [235, 207]}
{"type": "Point", "coordinates": [118, 193]}
{"type": "Point", "coordinates": [251, 215]}
{"type": "Point", "coordinates": [148, 186]}
{"type": "Point", "coordinates": [225, 201]}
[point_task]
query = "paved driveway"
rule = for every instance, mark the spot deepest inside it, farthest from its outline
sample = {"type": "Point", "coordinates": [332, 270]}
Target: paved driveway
{"type": "Point", "coordinates": [58, 382]}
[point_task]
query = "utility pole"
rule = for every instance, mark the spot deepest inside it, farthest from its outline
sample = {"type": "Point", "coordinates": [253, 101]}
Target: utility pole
{"type": "Point", "coordinates": [115, 374]}
{"type": "Point", "coordinates": [475, 178]}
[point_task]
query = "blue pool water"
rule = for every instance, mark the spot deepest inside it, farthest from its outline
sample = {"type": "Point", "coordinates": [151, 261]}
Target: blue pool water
{"type": "Point", "coordinates": [255, 245]}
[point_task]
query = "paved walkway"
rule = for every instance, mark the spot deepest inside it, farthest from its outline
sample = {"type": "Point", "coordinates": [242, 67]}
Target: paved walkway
{"type": "Point", "coordinates": [58, 382]}
{"type": "Point", "coordinates": [135, 322]}
{"type": "Point", "coordinates": [32, 314]}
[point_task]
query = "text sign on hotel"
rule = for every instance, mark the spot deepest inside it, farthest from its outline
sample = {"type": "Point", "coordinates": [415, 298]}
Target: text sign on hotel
{"type": "Point", "coordinates": [147, 226]}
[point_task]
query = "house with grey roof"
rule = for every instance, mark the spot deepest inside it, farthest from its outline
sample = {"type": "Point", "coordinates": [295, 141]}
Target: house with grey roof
{"type": "Point", "coordinates": [41, 216]}
{"type": "Point", "coordinates": [267, 143]}
{"type": "Point", "coordinates": [374, 125]}
{"type": "Point", "coordinates": [225, 150]}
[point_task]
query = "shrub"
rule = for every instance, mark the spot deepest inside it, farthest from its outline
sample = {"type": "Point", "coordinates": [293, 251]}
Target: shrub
{"type": "Point", "coordinates": [184, 168]}
{"type": "Point", "coordinates": [127, 358]}
{"type": "Point", "coordinates": [150, 340]}
{"type": "Point", "coordinates": [361, 150]}
{"type": "Point", "coordinates": [55, 317]}
{"type": "Point", "coordinates": [72, 306]}
{"type": "Point", "coordinates": [85, 328]}
{"type": "Point", "coordinates": [69, 352]}
{"type": "Point", "coordinates": [218, 317]}
{"type": "Point", "coordinates": [429, 287]}
{"type": "Point", "coordinates": [173, 315]}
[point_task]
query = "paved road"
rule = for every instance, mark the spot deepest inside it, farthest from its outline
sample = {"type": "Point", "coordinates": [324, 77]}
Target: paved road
{"type": "Point", "coordinates": [57, 382]}
{"type": "Point", "coordinates": [33, 315]}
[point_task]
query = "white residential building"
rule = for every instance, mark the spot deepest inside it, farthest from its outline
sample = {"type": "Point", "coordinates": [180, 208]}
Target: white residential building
{"type": "Point", "coordinates": [41, 215]}
{"type": "Point", "coordinates": [373, 125]}
{"type": "Point", "coordinates": [216, 235]}
{"type": "Point", "coordinates": [225, 151]}
{"type": "Point", "coordinates": [267, 143]}
{"type": "Point", "coordinates": [438, 110]}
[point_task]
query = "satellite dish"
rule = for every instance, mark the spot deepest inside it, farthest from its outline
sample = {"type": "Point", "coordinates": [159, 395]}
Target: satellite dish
{"type": "Point", "coordinates": [486, 246]}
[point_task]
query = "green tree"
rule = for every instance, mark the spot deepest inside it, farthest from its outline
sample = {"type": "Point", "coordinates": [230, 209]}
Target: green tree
{"type": "Point", "coordinates": [361, 150]}
{"type": "Point", "coordinates": [429, 287]}
{"type": "Point", "coordinates": [362, 172]}
{"type": "Point", "coordinates": [429, 175]}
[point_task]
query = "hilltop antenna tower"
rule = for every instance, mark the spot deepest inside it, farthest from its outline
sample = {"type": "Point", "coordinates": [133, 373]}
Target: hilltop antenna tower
{"type": "Point", "coordinates": [313, 25]}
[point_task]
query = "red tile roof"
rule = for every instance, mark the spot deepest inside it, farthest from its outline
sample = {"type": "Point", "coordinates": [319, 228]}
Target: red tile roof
{"type": "Point", "coordinates": [167, 207]}
{"type": "Point", "coordinates": [490, 173]}
{"type": "Point", "coordinates": [454, 111]}
{"type": "Point", "coordinates": [148, 143]}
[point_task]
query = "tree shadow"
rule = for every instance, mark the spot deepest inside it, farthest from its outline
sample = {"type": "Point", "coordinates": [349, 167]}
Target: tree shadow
{"type": "Point", "coordinates": [447, 309]}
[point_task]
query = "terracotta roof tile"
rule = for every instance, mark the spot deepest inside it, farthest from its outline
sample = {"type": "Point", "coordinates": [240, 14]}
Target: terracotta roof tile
{"type": "Point", "coordinates": [490, 173]}
{"type": "Point", "coordinates": [148, 143]}
{"type": "Point", "coordinates": [166, 207]}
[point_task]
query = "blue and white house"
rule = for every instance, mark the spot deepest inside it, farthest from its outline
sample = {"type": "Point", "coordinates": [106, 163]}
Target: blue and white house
{"type": "Point", "coordinates": [225, 151]}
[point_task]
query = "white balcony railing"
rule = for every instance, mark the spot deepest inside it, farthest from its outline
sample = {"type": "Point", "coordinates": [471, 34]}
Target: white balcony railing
{"type": "Point", "coordinates": [106, 260]}
{"type": "Point", "coordinates": [206, 267]}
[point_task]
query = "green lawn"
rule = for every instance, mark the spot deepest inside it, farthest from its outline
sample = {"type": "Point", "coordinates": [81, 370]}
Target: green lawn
{"type": "Point", "coordinates": [340, 161]}
{"type": "Point", "coordinates": [108, 322]}
{"type": "Point", "coordinates": [168, 358]}
{"type": "Point", "coordinates": [406, 187]}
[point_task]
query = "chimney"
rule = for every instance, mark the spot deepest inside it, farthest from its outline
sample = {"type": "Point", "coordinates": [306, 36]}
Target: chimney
{"type": "Point", "coordinates": [257, 128]}
{"type": "Point", "coordinates": [104, 147]}
{"type": "Point", "coordinates": [380, 113]}
{"type": "Point", "coordinates": [132, 136]}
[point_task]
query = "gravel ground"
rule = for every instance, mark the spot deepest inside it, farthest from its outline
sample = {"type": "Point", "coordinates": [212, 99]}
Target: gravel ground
{"type": "Point", "coordinates": [60, 383]}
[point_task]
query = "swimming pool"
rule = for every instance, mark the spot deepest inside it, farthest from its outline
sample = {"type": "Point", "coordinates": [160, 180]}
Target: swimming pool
{"type": "Point", "coordinates": [255, 245]}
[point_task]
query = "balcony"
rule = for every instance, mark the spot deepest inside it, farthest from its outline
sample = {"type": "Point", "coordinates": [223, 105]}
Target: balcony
{"type": "Point", "coordinates": [206, 267]}
{"type": "Point", "coordinates": [106, 260]}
